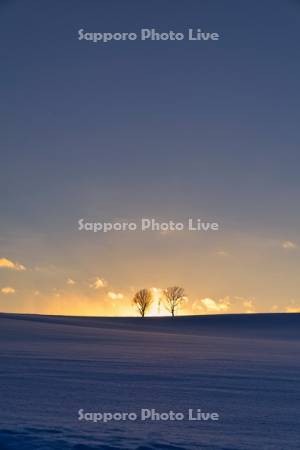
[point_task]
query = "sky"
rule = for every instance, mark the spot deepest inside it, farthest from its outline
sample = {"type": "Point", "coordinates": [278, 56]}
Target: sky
{"type": "Point", "coordinates": [157, 129]}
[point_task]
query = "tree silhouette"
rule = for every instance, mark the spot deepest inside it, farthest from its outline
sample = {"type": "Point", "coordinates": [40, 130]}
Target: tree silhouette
{"type": "Point", "coordinates": [174, 296]}
{"type": "Point", "coordinates": [142, 301]}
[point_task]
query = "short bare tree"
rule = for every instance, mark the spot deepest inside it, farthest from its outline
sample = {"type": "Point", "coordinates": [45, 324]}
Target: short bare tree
{"type": "Point", "coordinates": [142, 301]}
{"type": "Point", "coordinates": [174, 296]}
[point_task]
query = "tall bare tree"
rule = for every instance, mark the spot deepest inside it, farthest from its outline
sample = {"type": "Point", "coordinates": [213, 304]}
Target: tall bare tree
{"type": "Point", "coordinates": [174, 296]}
{"type": "Point", "coordinates": [142, 301]}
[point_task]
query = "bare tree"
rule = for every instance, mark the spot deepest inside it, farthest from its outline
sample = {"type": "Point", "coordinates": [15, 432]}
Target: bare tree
{"type": "Point", "coordinates": [142, 300]}
{"type": "Point", "coordinates": [174, 296]}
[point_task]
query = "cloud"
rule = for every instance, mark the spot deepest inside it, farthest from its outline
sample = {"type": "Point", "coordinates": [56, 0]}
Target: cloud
{"type": "Point", "coordinates": [293, 307]}
{"type": "Point", "coordinates": [8, 264]}
{"type": "Point", "coordinates": [57, 293]}
{"type": "Point", "coordinates": [70, 282]}
{"type": "Point", "coordinates": [249, 306]}
{"type": "Point", "coordinates": [98, 283]}
{"type": "Point", "coordinates": [222, 253]}
{"type": "Point", "coordinates": [289, 245]}
{"type": "Point", "coordinates": [221, 305]}
{"type": "Point", "coordinates": [224, 305]}
{"type": "Point", "coordinates": [8, 290]}
{"type": "Point", "coordinates": [209, 305]}
{"type": "Point", "coordinates": [115, 296]}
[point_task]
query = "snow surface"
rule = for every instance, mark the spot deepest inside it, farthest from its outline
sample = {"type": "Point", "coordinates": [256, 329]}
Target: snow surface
{"type": "Point", "coordinates": [246, 368]}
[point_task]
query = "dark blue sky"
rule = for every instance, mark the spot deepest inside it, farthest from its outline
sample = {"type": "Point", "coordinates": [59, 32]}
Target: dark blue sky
{"type": "Point", "coordinates": [164, 129]}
